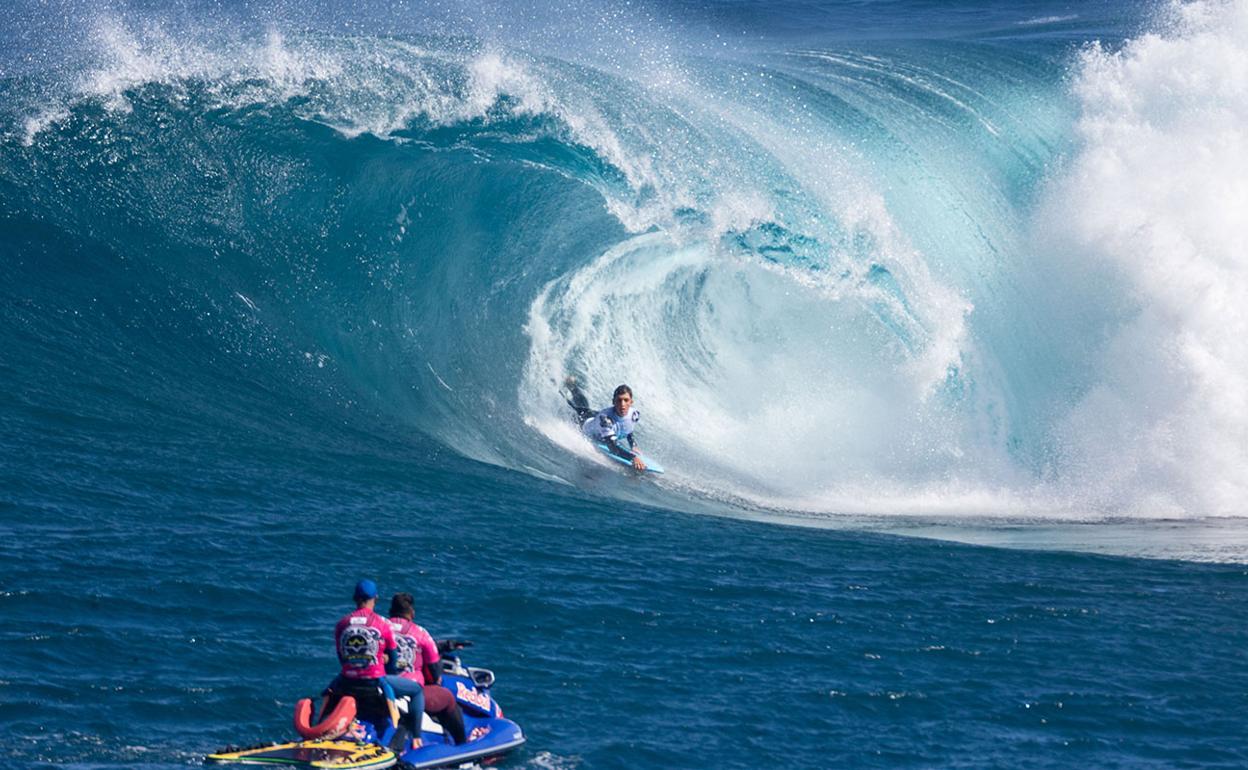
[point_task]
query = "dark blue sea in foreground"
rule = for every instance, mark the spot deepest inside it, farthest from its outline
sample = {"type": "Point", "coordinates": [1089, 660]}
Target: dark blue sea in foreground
{"type": "Point", "coordinates": [933, 311]}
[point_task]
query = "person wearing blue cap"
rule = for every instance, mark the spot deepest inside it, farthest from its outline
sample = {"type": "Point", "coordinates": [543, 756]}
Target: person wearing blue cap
{"type": "Point", "coordinates": [363, 640]}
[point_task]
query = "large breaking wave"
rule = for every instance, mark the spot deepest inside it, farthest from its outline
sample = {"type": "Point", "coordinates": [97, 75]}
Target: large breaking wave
{"type": "Point", "coordinates": [888, 277]}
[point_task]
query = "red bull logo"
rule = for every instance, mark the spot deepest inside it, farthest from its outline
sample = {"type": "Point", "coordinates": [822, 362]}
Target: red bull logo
{"type": "Point", "coordinates": [475, 697]}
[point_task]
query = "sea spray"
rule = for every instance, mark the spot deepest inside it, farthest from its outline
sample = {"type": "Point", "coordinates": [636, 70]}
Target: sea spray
{"type": "Point", "coordinates": [1156, 194]}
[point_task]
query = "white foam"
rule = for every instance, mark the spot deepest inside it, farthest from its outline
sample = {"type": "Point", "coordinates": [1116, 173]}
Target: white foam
{"type": "Point", "coordinates": [1157, 193]}
{"type": "Point", "coordinates": [35, 125]}
{"type": "Point", "coordinates": [130, 55]}
{"type": "Point", "coordinates": [1044, 20]}
{"type": "Point", "coordinates": [757, 383]}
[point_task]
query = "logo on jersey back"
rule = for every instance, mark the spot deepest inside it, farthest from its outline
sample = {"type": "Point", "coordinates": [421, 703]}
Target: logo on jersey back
{"type": "Point", "coordinates": [358, 647]}
{"type": "Point", "coordinates": [405, 654]}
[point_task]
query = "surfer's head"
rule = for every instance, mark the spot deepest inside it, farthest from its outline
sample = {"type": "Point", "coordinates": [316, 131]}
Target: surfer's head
{"type": "Point", "coordinates": [622, 399]}
{"type": "Point", "coordinates": [365, 591]}
{"type": "Point", "coordinates": [403, 605]}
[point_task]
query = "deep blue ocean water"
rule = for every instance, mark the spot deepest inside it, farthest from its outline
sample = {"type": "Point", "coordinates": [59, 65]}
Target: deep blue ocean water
{"type": "Point", "coordinates": [934, 312]}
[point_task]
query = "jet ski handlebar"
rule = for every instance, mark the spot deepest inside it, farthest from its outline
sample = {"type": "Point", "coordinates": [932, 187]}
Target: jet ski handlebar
{"type": "Point", "coordinates": [450, 645]}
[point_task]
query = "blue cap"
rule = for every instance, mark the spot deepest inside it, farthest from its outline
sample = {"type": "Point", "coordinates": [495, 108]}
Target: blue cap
{"type": "Point", "coordinates": [365, 589]}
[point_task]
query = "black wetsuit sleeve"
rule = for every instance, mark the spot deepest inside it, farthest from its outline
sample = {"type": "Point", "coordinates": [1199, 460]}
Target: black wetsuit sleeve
{"type": "Point", "coordinates": [433, 672]}
{"type": "Point", "coordinates": [620, 451]}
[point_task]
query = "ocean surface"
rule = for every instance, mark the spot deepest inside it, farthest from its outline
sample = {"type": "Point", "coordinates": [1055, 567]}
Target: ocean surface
{"type": "Point", "coordinates": [935, 313]}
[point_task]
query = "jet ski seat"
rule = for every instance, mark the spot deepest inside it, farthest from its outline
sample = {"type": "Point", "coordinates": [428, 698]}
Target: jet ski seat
{"type": "Point", "coordinates": [370, 702]}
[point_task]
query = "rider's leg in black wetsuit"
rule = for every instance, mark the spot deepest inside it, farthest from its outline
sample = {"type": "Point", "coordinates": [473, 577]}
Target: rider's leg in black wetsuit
{"type": "Point", "coordinates": [579, 403]}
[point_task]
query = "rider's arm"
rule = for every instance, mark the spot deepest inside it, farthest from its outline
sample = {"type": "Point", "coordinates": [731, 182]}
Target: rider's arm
{"type": "Point", "coordinates": [433, 672]}
{"type": "Point", "coordinates": [430, 660]}
{"type": "Point", "coordinates": [638, 463]}
{"type": "Point", "coordinates": [389, 646]}
{"type": "Point", "coordinates": [614, 448]}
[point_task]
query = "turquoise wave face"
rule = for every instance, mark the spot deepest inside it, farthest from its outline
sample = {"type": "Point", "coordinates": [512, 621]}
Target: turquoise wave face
{"type": "Point", "coordinates": [840, 278]}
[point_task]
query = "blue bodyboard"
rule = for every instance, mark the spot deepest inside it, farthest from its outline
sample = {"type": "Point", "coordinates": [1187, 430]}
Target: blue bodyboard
{"type": "Point", "coordinates": [651, 465]}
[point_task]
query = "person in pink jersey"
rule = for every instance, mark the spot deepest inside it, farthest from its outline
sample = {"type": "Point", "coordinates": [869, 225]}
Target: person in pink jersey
{"type": "Point", "coordinates": [417, 652]}
{"type": "Point", "coordinates": [417, 667]}
{"type": "Point", "coordinates": [363, 640]}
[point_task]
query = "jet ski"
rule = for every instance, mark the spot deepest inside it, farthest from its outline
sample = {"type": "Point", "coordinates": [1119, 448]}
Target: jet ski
{"type": "Point", "coordinates": [361, 730]}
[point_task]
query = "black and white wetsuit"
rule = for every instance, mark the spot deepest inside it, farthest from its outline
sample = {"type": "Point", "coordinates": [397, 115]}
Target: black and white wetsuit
{"type": "Point", "coordinates": [609, 427]}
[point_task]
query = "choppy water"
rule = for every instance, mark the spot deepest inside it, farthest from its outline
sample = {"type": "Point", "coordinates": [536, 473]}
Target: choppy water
{"type": "Point", "coordinates": [288, 290]}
